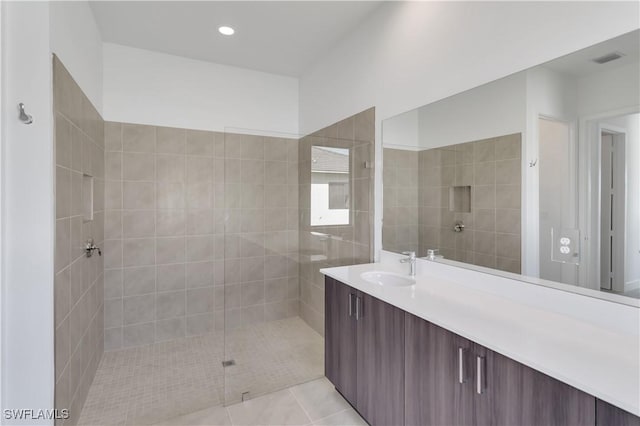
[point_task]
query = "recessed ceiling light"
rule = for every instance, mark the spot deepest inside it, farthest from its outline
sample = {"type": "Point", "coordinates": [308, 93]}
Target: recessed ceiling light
{"type": "Point", "coordinates": [226, 31]}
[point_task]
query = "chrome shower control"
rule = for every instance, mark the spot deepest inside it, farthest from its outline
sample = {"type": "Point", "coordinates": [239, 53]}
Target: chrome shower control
{"type": "Point", "coordinates": [90, 247]}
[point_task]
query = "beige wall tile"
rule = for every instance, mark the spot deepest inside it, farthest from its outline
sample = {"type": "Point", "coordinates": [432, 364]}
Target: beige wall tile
{"type": "Point", "coordinates": [170, 304]}
{"type": "Point", "coordinates": [508, 147]}
{"type": "Point", "coordinates": [138, 252]}
{"type": "Point", "coordinates": [199, 274]}
{"type": "Point", "coordinates": [199, 142]}
{"type": "Point", "coordinates": [139, 195]}
{"type": "Point", "coordinates": [170, 277]}
{"type": "Point", "coordinates": [138, 309]}
{"type": "Point", "coordinates": [170, 140]}
{"type": "Point", "coordinates": [113, 136]}
{"type": "Point", "coordinates": [138, 138]}
{"type": "Point", "coordinates": [508, 172]}
{"type": "Point", "coordinates": [138, 166]}
{"type": "Point", "coordinates": [63, 192]}
{"type": "Point", "coordinates": [508, 220]}
{"type": "Point", "coordinates": [138, 223]}
{"type": "Point", "coordinates": [170, 329]}
{"type": "Point", "coordinates": [484, 150]}
{"type": "Point", "coordinates": [199, 300]}
{"type": "Point", "coordinates": [171, 195]}
{"type": "Point", "coordinates": [113, 283]}
{"type": "Point", "coordinates": [199, 248]}
{"type": "Point", "coordinates": [252, 147]}
{"type": "Point", "coordinates": [170, 168]}
{"type": "Point", "coordinates": [138, 335]}
{"type": "Point", "coordinates": [113, 313]}
{"type": "Point", "coordinates": [170, 250]}
{"type": "Point", "coordinates": [508, 196]}
{"type": "Point", "coordinates": [170, 223]}
{"type": "Point", "coordinates": [140, 280]}
{"type": "Point", "coordinates": [199, 324]}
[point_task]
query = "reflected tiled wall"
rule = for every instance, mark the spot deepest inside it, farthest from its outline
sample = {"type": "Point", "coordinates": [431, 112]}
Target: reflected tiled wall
{"type": "Point", "coordinates": [195, 218]}
{"type": "Point", "coordinates": [491, 169]}
{"type": "Point", "coordinates": [326, 246]}
{"type": "Point", "coordinates": [401, 199]}
{"type": "Point", "coordinates": [78, 306]}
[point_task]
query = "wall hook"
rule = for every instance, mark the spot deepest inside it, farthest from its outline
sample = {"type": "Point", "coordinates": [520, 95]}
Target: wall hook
{"type": "Point", "coordinates": [533, 163]}
{"type": "Point", "coordinates": [23, 116]}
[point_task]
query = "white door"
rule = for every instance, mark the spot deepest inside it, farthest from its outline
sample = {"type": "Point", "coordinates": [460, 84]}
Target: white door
{"type": "Point", "coordinates": [612, 212]}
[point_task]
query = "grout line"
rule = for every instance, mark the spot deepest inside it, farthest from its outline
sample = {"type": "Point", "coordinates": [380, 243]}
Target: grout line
{"type": "Point", "coordinates": [306, 413]}
{"type": "Point", "coordinates": [337, 412]}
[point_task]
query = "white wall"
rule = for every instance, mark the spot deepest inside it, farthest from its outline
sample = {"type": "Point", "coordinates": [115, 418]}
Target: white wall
{"type": "Point", "coordinates": [412, 53]}
{"type": "Point", "coordinates": [76, 40]}
{"type": "Point", "coordinates": [551, 95]}
{"type": "Point", "coordinates": [608, 91]}
{"type": "Point", "coordinates": [28, 211]}
{"type": "Point", "coordinates": [146, 87]}
{"type": "Point", "coordinates": [402, 131]}
{"type": "Point", "coordinates": [494, 109]}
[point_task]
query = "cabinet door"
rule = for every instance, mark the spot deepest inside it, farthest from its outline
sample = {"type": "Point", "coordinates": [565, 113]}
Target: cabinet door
{"type": "Point", "coordinates": [380, 361]}
{"type": "Point", "coordinates": [514, 394]}
{"type": "Point", "coordinates": [438, 388]}
{"type": "Point", "coordinates": [340, 338]}
{"type": "Point", "coordinates": [608, 415]}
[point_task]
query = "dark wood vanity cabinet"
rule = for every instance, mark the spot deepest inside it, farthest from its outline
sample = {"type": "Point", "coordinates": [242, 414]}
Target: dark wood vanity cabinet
{"type": "Point", "coordinates": [396, 368]}
{"type": "Point", "coordinates": [340, 357]}
{"type": "Point", "coordinates": [609, 415]}
{"type": "Point", "coordinates": [364, 352]}
{"type": "Point", "coordinates": [436, 362]}
{"type": "Point", "coordinates": [380, 330]}
{"type": "Point", "coordinates": [514, 394]}
{"type": "Point", "coordinates": [451, 380]}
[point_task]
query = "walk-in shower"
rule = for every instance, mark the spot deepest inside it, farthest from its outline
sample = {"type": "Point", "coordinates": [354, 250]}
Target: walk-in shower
{"type": "Point", "coordinates": [212, 243]}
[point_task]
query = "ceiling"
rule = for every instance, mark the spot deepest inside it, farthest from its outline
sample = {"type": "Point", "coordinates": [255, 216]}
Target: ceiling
{"type": "Point", "coordinates": [278, 37]}
{"type": "Point", "coordinates": [580, 63]}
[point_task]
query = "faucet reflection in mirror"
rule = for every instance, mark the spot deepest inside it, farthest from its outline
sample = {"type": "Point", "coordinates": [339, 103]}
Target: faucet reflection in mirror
{"type": "Point", "coordinates": [463, 199]}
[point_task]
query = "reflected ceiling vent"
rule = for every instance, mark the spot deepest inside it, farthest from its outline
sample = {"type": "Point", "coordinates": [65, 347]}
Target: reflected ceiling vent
{"type": "Point", "coordinates": [608, 57]}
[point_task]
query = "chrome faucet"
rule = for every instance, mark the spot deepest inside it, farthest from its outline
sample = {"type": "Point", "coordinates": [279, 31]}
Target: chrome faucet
{"type": "Point", "coordinates": [411, 260]}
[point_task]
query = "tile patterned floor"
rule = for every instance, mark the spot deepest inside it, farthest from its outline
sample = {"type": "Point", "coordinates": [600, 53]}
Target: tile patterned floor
{"type": "Point", "coordinates": [311, 403]}
{"type": "Point", "coordinates": [146, 385]}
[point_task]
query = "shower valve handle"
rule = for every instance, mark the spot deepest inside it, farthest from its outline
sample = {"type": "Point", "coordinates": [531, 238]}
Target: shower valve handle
{"type": "Point", "coordinates": [90, 247]}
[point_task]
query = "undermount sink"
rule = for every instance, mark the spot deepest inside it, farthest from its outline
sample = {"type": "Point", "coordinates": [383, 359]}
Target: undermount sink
{"type": "Point", "coordinates": [387, 279]}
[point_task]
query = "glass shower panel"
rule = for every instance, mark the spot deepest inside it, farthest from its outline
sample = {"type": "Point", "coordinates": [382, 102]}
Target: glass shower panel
{"type": "Point", "coordinates": [268, 346]}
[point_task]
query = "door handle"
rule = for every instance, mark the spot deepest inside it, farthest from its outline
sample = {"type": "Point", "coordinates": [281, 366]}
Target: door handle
{"type": "Point", "coordinates": [358, 307]}
{"type": "Point", "coordinates": [350, 304]}
{"type": "Point", "coordinates": [461, 378]}
{"type": "Point", "coordinates": [480, 375]}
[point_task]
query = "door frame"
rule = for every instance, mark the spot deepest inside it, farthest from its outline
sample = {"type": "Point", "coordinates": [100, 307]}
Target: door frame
{"type": "Point", "coordinates": [589, 192]}
{"type": "Point", "coordinates": [619, 258]}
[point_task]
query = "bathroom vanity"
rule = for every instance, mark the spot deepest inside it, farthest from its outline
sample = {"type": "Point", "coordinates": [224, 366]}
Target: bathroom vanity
{"type": "Point", "coordinates": [461, 350]}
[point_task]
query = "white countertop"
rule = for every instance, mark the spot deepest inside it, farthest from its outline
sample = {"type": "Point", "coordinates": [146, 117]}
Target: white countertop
{"type": "Point", "coordinates": [591, 344]}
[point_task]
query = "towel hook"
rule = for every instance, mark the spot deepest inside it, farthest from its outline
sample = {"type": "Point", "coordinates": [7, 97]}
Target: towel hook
{"type": "Point", "coordinates": [23, 116]}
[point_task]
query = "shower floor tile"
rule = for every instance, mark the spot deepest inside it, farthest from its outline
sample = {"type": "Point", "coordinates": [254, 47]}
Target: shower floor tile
{"type": "Point", "coordinates": [150, 384]}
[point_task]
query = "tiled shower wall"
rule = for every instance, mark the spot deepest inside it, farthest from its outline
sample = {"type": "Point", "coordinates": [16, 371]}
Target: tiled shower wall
{"type": "Point", "coordinates": [327, 246]}
{"type": "Point", "coordinates": [491, 168]}
{"type": "Point", "coordinates": [400, 197]}
{"type": "Point", "coordinates": [194, 219]}
{"type": "Point", "coordinates": [78, 306]}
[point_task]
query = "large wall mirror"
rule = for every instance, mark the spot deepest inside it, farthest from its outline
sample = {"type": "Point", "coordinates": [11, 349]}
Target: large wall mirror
{"type": "Point", "coordinates": [536, 174]}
